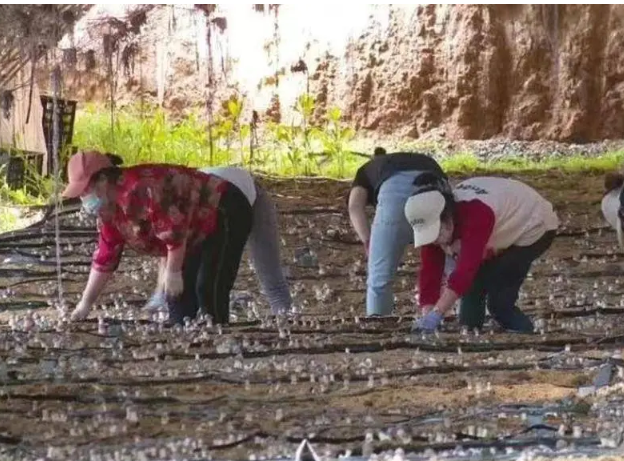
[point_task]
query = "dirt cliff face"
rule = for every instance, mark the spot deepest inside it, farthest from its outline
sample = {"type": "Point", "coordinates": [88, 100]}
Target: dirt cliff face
{"type": "Point", "coordinates": [522, 71]}
{"type": "Point", "coordinates": [456, 71]}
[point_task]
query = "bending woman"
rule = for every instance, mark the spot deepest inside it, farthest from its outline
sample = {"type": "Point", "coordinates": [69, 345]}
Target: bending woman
{"type": "Point", "coordinates": [198, 222]}
{"type": "Point", "coordinates": [386, 182]}
{"type": "Point", "coordinates": [264, 243]}
{"type": "Point", "coordinates": [494, 228]}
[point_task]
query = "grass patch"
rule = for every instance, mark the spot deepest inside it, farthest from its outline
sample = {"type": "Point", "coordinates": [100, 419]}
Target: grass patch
{"type": "Point", "coordinates": [461, 163]}
{"type": "Point", "coordinates": [143, 139]}
{"type": "Point", "coordinates": [464, 163]}
{"type": "Point", "coordinates": [307, 148]}
{"type": "Point", "coordinates": [285, 150]}
{"type": "Point", "coordinates": [9, 219]}
{"type": "Point", "coordinates": [572, 164]}
{"type": "Point", "coordinates": [323, 148]}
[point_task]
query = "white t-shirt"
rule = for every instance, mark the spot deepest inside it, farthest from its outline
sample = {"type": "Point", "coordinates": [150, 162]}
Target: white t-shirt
{"type": "Point", "coordinates": [522, 215]}
{"type": "Point", "coordinates": [240, 177]}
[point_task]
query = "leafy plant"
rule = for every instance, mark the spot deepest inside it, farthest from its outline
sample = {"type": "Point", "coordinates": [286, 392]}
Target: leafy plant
{"type": "Point", "coordinates": [153, 138]}
{"type": "Point", "coordinates": [335, 139]}
{"type": "Point", "coordinates": [288, 143]}
{"type": "Point", "coordinates": [306, 133]}
{"type": "Point", "coordinates": [8, 220]}
{"type": "Point", "coordinates": [285, 149]}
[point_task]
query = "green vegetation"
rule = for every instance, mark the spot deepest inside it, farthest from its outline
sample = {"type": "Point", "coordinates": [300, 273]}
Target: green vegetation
{"type": "Point", "coordinates": [318, 145]}
{"type": "Point", "coordinates": [326, 148]}
{"type": "Point", "coordinates": [36, 191]}
{"type": "Point", "coordinates": [8, 220]}
{"type": "Point", "coordinates": [469, 163]}
{"type": "Point", "coordinates": [303, 149]}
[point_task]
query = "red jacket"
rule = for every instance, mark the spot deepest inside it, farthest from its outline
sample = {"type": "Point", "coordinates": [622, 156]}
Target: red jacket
{"type": "Point", "coordinates": [474, 223]}
{"type": "Point", "coordinates": [158, 208]}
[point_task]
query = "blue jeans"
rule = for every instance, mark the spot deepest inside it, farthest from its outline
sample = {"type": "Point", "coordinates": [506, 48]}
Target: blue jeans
{"type": "Point", "coordinates": [390, 234]}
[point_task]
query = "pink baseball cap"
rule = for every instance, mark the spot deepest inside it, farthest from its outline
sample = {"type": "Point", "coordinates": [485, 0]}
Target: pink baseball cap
{"type": "Point", "coordinates": [80, 168]}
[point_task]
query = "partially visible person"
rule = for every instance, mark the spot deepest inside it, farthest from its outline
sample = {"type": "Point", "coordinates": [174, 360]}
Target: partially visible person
{"type": "Point", "coordinates": [386, 182]}
{"type": "Point", "coordinates": [198, 222]}
{"type": "Point", "coordinates": [264, 245]}
{"type": "Point", "coordinates": [494, 229]}
{"type": "Point", "coordinates": [612, 204]}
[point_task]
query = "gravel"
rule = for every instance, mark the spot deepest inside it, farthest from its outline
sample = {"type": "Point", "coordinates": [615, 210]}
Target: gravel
{"type": "Point", "coordinates": [492, 149]}
{"type": "Point", "coordinates": [534, 150]}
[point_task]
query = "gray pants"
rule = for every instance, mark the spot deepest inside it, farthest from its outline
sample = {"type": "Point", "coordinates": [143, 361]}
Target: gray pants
{"type": "Point", "coordinates": [264, 247]}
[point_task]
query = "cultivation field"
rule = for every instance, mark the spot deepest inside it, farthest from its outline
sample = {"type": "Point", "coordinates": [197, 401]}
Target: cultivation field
{"type": "Point", "coordinates": [127, 388]}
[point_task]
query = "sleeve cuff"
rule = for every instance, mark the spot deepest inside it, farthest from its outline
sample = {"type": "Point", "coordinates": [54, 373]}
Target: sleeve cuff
{"type": "Point", "coordinates": [105, 268]}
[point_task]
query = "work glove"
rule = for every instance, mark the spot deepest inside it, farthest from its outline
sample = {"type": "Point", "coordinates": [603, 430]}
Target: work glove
{"type": "Point", "coordinates": [174, 285]}
{"type": "Point", "coordinates": [428, 323]}
{"type": "Point", "coordinates": [156, 302]}
{"type": "Point", "coordinates": [81, 312]}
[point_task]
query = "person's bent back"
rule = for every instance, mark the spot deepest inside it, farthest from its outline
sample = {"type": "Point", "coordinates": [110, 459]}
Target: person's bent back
{"type": "Point", "coordinates": [386, 182]}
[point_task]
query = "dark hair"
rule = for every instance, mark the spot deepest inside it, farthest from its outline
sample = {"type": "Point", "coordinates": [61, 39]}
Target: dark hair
{"type": "Point", "coordinates": [613, 181]}
{"type": "Point", "coordinates": [111, 173]}
{"type": "Point", "coordinates": [429, 181]}
{"type": "Point", "coordinates": [115, 159]}
{"type": "Point", "coordinates": [379, 151]}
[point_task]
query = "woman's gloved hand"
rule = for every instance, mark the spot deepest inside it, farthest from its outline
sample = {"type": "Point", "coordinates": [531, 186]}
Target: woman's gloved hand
{"type": "Point", "coordinates": [157, 301]}
{"type": "Point", "coordinates": [429, 322]}
{"type": "Point", "coordinates": [174, 284]}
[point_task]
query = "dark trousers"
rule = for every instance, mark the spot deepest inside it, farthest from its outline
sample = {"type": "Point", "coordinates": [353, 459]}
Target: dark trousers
{"type": "Point", "coordinates": [210, 267]}
{"type": "Point", "coordinates": [498, 281]}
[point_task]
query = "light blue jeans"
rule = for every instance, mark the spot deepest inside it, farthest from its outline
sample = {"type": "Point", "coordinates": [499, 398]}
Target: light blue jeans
{"type": "Point", "coordinates": [390, 234]}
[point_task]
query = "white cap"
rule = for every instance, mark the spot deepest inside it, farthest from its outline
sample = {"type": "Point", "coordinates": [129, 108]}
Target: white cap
{"type": "Point", "coordinates": [423, 212]}
{"type": "Point", "coordinates": [610, 210]}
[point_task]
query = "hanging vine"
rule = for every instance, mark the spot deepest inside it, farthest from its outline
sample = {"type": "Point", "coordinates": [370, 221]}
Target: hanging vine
{"type": "Point", "coordinates": [272, 48]}
{"type": "Point", "coordinates": [29, 32]}
{"type": "Point", "coordinates": [141, 90]}
{"type": "Point", "coordinates": [276, 40]}
{"type": "Point", "coordinates": [110, 46]}
{"type": "Point", "coordinates": [33, 66]}
{"type": "Point", "coordinates": [209, 10]}
{"type": "Point", "coordinates": [56, 85]}
{"type": "Point", "coordinates": [253, 136]}
{"type": "Point", "coordinates": [301, 67]}
{"type": "Point", "coordinates": [120, 48]}
{"type": "Point", "coordinates": [220, 23]}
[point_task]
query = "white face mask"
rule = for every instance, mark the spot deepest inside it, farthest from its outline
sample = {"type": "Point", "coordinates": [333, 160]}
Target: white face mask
{"type": "Point", "coordinates": [92, 204]}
